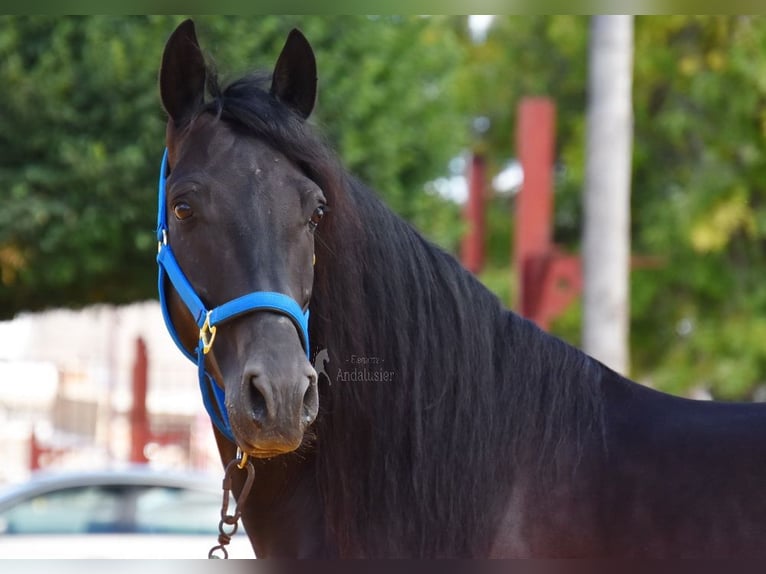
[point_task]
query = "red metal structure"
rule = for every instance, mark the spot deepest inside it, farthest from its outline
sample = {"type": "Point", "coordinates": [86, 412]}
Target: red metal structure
{"type": "Point", "coordinates": [472, 246]}
{"type": "Point", "coordinates": [140, 432]}
{"type": "Point", "coordinates": [42, 455]}
{"type": "Point", "coordinates": [173, 429]}
{"type": "Point", "coordinates": [548, 280]}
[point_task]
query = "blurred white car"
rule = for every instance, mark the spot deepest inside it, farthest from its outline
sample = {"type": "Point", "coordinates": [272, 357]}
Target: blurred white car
{"type": "Point", "coordinates": [130, 513]}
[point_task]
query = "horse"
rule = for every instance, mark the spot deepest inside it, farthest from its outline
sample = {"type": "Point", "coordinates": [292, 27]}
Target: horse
{"type": "Point", "coordinates": [441, 424]}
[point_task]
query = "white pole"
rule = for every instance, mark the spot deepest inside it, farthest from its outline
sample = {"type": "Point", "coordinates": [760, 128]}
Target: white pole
{"type": "Point", "coordinates": [606, 236]}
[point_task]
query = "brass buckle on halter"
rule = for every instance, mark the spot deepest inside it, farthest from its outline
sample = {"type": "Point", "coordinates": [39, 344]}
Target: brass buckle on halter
{"type": "Point", "coordinates": [207, 334]}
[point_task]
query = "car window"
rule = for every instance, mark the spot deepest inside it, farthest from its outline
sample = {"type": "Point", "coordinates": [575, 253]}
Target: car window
{"type": "Point", "coordinates": [77, 510]}
{"type": "Point", "coordinates": [177, 510]}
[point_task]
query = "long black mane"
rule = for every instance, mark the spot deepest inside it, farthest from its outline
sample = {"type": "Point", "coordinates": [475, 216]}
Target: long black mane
{"type": "Point", "coordinates": [471, 393]}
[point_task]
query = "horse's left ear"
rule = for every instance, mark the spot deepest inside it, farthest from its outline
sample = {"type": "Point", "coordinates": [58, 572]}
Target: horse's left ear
{"type": "Point", "coordinates": [295, 75]}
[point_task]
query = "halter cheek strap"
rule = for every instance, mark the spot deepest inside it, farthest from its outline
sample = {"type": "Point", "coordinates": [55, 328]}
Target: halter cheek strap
{"type": "Point", "coordinates": [208, 320]}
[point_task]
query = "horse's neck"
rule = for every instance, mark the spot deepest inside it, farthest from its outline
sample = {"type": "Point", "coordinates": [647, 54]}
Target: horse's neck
{"type": "Point", "coordinates": [285, 517]}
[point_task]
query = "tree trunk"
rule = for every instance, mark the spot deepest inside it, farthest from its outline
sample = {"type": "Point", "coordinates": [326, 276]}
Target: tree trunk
{"type": "Point", "coordinates": [606, 239]}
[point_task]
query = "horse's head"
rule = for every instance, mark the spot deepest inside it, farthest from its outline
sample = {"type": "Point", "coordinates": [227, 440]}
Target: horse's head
{"type": "Point", "coordinates": [240, 219]}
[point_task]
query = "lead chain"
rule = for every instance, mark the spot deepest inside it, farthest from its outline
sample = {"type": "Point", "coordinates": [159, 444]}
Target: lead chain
{"type": "Point", "coordinates": [227, 527]}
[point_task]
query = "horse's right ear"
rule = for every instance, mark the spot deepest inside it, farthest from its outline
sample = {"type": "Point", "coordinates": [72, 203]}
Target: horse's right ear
{"type": "Point", "coordinates": [182, 75]}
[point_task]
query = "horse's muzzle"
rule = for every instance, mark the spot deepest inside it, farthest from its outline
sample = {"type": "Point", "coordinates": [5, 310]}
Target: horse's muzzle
{"type": "Point", "coordinates": [274, 410]}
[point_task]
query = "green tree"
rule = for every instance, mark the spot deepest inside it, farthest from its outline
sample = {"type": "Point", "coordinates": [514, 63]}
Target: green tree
{"type": "Point", "coordinates": [81, 133]}
{"type": "Point", "coordinates": [699, 317]}
{"type": "Point", "coordinates": [75, 135]}
{"type": "Point", "coordinates": [699, 197]}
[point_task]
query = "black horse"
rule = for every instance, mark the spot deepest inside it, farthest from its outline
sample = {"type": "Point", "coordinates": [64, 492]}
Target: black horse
{"type": "Point", "coordinates": [443, 425]}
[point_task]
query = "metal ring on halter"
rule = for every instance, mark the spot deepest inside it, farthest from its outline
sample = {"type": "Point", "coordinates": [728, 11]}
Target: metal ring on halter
{"type": "Point", "coordinates": [241, 459]}
{"type": "Point", "coordinates": [165, 241]}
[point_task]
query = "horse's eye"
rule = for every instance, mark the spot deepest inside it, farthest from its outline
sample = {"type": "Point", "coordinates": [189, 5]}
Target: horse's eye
{"type": "Point", "coordinates": [182, 210]}
{"type": "Point", "coordinates": [317, 216]}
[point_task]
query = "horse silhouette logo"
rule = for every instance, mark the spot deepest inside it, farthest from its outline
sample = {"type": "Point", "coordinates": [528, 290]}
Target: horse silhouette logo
{"type": "Point", "coordinates": [320, 364]}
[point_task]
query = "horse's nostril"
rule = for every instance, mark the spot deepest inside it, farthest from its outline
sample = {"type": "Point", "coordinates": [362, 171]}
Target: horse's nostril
{"type": "Point", "coordinates": [258, 407]}
{"type": "Point", "coordinates": [310, 402]}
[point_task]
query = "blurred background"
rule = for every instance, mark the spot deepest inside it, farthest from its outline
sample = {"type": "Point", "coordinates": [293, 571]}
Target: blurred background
{"type": "Point", "coordinates": [89, 376]}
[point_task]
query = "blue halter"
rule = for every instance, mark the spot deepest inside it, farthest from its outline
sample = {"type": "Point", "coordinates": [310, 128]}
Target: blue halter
{"type": "Point", "coordinates": [213, 396]}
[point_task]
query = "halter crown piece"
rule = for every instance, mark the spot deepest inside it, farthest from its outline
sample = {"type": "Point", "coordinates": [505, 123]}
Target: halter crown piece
{"type": "Point", "coordinates": [213, 396]}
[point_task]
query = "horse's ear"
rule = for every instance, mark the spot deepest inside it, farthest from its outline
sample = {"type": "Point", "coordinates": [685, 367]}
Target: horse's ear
{"type": "Point", "coordinates": [295, 75]}
{"type": "Point", "coordinates": [182, 75]}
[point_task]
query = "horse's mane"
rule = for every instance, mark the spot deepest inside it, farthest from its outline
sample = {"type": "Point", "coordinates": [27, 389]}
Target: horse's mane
{"type": "Point", "coordinates": [474, 392]}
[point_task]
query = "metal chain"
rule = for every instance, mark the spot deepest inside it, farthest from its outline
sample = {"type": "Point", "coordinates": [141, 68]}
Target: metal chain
{"type": "Point", "coordinates": [229, 523]}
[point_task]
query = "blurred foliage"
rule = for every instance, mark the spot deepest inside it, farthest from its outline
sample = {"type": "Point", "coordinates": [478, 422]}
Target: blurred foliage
{"type": "Point", "coordinates": [699, 315]}
{"type": "Point", "coordinates": [81, 131]}
{"type": "Point", "coordinates": [78, 128]}
{"type": "Point", "coordinates": [699, 189]}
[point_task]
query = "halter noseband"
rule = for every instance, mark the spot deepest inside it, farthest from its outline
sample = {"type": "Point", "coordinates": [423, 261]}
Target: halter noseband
{"type": "Point", "coordinates": [213, 396]}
